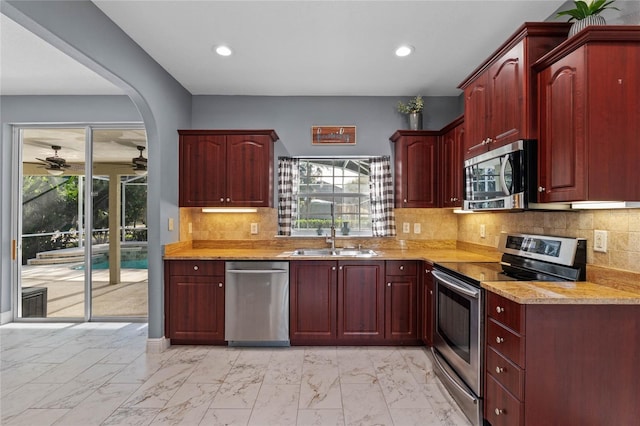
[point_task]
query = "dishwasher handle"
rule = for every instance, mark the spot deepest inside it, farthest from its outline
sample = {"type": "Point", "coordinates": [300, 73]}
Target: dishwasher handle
{"type": "Point", "coordinates": [257, 271]}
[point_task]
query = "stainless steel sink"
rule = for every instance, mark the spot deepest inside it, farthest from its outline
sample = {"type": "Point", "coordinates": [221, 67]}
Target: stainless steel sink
{"type": "Point", "coordinates": [350, 252]}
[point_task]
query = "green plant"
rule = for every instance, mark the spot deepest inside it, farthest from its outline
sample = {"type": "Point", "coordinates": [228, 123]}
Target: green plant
{"type": "Point", "coordinates": [584, 9]}
{"type": "Point", "coordinates": [415, 104]}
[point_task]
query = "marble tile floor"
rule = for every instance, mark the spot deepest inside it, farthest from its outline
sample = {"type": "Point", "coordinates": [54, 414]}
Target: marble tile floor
{"type": "Point", "coordinates": [100, 374]}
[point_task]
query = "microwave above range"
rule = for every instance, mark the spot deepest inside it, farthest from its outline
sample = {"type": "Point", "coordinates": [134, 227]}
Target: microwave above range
{"type": "Point", "coordinates": [502, 179]}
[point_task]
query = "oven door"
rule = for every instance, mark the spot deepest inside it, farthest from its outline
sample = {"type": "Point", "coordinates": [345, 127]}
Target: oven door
{"type": "Point", "coordinates": [458, 327]}
{"type": "Point", "coordinates": [497, 180]}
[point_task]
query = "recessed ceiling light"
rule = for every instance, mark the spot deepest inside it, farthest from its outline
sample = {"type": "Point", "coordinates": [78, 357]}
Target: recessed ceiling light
{"type": "Point", "coordinates": [404, 50]}
{"type": "Point", "coordinates": [223, 50]}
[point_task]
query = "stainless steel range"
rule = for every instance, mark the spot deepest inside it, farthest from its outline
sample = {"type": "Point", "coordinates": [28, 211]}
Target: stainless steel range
{"type": "Point", "coordinates": [459, 305]}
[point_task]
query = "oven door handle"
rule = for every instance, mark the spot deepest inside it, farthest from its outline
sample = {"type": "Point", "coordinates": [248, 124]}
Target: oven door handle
{"type": "Point", "coordinates": [444, 280]}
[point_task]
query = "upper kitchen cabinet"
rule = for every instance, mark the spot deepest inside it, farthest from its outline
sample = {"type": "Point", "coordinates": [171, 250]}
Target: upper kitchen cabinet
{"type": "Point", "coordinates": [452, 163]}
{"type": "Point", "coordinates": [226, 168]}
{"type": "Point", "coordinates": [500, 95]}
{"type": "Point", "coordinates": [590, 117]}
{"type": "Point", "coordinates": [415, 168]}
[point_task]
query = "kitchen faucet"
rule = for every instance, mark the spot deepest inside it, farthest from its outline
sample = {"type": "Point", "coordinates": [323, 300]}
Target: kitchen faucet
{"type": "Point", "coordinates": [332, 238]}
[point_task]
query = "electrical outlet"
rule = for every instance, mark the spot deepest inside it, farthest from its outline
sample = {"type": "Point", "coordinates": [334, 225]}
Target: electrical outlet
{"type": "Point", "coordinates": [600, 241]}
{"type": "Point", "coordinates": [483, 231]}
{"type": "Point", "coordinates": [416, 228]}
{"type": "Point", "coordinates": [405, 227]}
{"type": "Point", "coordinates": [254, 228]}
{"type": "Point", "coordinates": [170, 224]}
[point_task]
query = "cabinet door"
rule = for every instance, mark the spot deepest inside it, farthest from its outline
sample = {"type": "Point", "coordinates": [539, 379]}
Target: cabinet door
{"type": "Point", "coordinates": [401, 302]}
{"type": "Point", "coordinates": [452, 163]}
{"type": "Point", "coordinates": [476, 117]}
{"type": "Point", "coordinates": [196, 305]}
{"type": "Point", "coordinates": [313, 304]}
{"type": "Point", "coordinates": [250, 163]}
{"type": "Point", "coordinates": [202, 170]}
{"type": "Point", "coordinates": [416, 172]}
{"type": "Point", "coordinates": [562, 153]}
{"type": "Point", "coordinates": [427, 311]}
{"type": "Point", "coordinates": [361, 301]}
{"type": "Point", "coordinates": [506, 98]}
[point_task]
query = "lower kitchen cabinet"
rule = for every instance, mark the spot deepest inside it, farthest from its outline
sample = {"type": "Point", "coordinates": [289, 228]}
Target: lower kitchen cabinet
{"type": "Point", "coordinates": [313, 308]}
{"type": "Point", "coordinates": [194, 301]}
{"type": "Point", "coordinates": [361, 301]}
{"type": "Point", "coordinates": [401, 301]}
{"type": "Point", "coordinates": [561, 364]}
{"type": "Point", "coordinates": [426, 311]}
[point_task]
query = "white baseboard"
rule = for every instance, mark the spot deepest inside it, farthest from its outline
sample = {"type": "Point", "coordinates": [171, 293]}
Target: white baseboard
{"type": "Point", "coordinates": [6, 317]}
{"type": "Point", "coordinates": [156, 346]}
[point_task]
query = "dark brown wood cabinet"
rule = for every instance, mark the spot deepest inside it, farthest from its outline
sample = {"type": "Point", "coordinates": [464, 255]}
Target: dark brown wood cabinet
{"type": "Point", "coordinates": [313, 302]}
{"type": "Point", "coordinates": [416, 168]}
{"type": "Point", "coordinates": [589, 117]}
{"type": "Point", "coordinates": [452, 170]}
{"type": "Point", "coordinates": [426, 311]}
{"type": "Point", "coordinates": [561, 364]}
{"type": "Point", "coordinates": [401, 301]}
{"type": "Point", "coordinates": [500, 96]}
{"type": "Point", "coordinates": [226, 168]}
{"type": "Point", "coordinates": [194, 301]}
{"type": "Point", "coordinates": [361, 301]}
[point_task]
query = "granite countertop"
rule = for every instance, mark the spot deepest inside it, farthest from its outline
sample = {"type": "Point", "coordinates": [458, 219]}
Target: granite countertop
{"type": "Point", "coordinates": [566, 293]}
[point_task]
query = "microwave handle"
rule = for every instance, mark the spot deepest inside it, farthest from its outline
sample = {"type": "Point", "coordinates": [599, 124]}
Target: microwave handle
{"type": "Point", "coordinates": [503, 180]}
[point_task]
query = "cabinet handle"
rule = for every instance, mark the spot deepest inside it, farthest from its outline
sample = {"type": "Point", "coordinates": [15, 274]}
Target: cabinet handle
{"type": "Point", "coordinates": [498, 411]}
{"type": "Point", "coordinates": [402, 267]}
{"type": "Point", "coordinates": [430, 291]}
{"type": "Point", "coordinates": [405, 200]}
{"type": "Point", "coordinates": [220, 285]}
{"type": "Point", "coordinates": [333, 268]}
{"type": "Point", "coordinates": [499, 370]}
{"type": "Point", "coordinates": [499, 309]}
{"type": "Point", "coordinates": [195, 268]}
{"type": "Point", "coordinates": [499, 339]}
{"type": "Point", "coordinates": [228, 200]}
{"type": "Point", "coordinates": [341, 268]}
{"type": "Point", "coordinates": [222, 200]}
{"type": "Point", "coordinates": [388, 284]}
{"type": "Point", "coordinates": [541, 189]}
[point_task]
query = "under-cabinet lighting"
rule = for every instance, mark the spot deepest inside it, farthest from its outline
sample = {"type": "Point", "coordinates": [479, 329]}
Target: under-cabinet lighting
{"type": "Point", "coordinates": [589, 205]}
{"type": "Point", "coordinates": [229, 210]}
{"type": "Point", "coordinates": [404, 50]}
{"type": "Point", "coordinates": [460, 211]}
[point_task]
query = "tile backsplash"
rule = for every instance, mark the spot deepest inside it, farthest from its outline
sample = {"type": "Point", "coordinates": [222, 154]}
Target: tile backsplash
{"type": "Point", "coordinates": [622, 226]}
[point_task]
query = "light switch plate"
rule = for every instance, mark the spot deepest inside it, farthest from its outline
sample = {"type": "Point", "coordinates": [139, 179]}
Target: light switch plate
{"type": "Point", "coordinates": [417, 228]}
{"type": "Point", "coordinates": [170, 224]}
{"type": "Point", "coordinates": [405, 227]}
{"type": "Point", "coordinates": [483, 231]}
{"type": "Point", "coordinates": [600, 241]}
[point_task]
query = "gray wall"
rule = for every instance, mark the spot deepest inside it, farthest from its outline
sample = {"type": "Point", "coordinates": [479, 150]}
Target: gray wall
{"type": "Point", "coordinates": [375, 118]}
{"type": "Point", "coordinates": [45, 109]}
{"type": "Point", "coordinates": [82, 31]}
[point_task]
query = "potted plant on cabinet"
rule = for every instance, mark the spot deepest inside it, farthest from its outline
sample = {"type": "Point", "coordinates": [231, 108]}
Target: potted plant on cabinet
{"type": "Point", "coordinates": [413, 108]}
{"type": "Point", "coordinates": [586, 13]}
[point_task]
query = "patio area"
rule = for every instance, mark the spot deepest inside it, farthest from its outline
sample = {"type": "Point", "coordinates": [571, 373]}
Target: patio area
{"type": "Point", "coordinates": [66, 293]}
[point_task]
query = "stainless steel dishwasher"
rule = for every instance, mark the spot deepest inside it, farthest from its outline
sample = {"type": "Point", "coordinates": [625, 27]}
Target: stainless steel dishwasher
{"type": "Point", "coordinates": [256, 309]}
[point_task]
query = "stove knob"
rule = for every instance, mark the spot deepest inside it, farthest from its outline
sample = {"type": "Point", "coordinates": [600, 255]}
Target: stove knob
{"type": "Point", "coordinates": [499, 309]}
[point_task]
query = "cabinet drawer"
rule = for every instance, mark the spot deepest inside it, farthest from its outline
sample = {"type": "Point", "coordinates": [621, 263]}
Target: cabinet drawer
{"type": "Point", "coordinates": [502, 408]}
{"type": "Point", "coordinates": [506, 373]}
{"type": "Point", "coordinates": [401, 267]}
{"type": "Point", "coordinates": [506, 311]}
{"type": "Point", "coordinates": [505, 341]}
{"type": "Point", "coordinates": [196, 267]}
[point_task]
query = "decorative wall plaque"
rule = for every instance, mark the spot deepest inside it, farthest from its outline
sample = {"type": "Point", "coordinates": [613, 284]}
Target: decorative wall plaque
{"type": "Point", "coordinates": [333, 135]}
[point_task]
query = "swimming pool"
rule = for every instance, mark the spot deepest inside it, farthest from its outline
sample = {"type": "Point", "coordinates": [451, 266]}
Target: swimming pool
{"type": "Point", "coordinates": [125, 264]}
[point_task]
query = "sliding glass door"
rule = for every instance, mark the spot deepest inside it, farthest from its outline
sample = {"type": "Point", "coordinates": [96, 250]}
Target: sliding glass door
{"type": "Point", "coordinates": [76, 234]}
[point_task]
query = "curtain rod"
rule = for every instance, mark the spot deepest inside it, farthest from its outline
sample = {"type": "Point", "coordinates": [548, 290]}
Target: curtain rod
{"type": "Point", "coordinates": [334, 157]}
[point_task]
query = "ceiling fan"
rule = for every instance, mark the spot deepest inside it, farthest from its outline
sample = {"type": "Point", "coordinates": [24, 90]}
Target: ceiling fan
{"type": "Point", "coordinates": [139, 163]}
{"type": "Point", "coordinates": [55, 165]}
